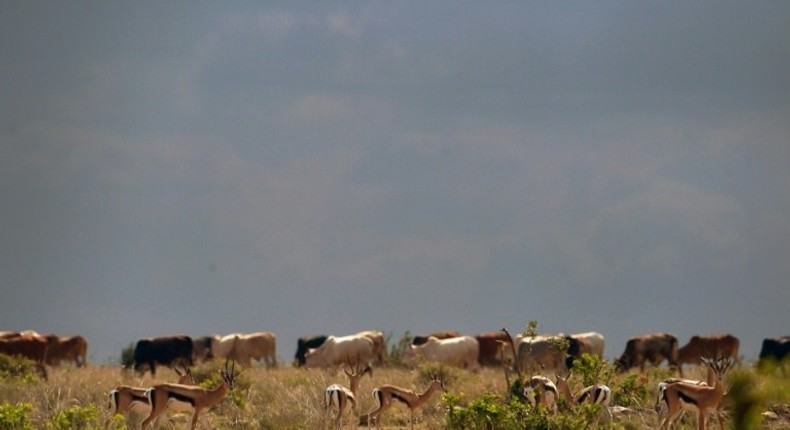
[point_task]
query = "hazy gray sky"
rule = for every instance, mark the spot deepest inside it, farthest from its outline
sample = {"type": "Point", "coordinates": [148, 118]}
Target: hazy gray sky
{"type": "Point", "coordinates": [329, 167]}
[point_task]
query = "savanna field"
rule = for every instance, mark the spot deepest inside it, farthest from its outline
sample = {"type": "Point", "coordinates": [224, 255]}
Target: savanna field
{"type": "Point", "coordinates": [292, 398]}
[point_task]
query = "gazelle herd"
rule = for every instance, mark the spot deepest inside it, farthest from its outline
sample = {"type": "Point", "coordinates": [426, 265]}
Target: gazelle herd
{"type": "Point", "coordinates": [341, 403]}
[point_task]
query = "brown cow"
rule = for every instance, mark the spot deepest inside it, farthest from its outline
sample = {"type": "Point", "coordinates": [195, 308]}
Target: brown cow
{"type": "Point", "coordinates": [714, 346]}
{"type": "Point", "coordinates": [73, 349]}
{"type": "Point", "coordinates": [491, 342]}
{"type": "Point", "coordinates": [654, 348]}
{"type": "Point", "coordinates": [32, 347]}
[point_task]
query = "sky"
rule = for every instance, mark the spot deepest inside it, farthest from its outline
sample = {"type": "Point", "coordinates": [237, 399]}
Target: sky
{"type": "Point", "coordinates": [331, 167]}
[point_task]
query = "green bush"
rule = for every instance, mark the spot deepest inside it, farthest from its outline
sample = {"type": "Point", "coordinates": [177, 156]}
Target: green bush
{"type": "Point", "coordinates": [20, 368]}
{"type": "Point", "coordinates": [398, 350]}
{"type": "Point", "coordinates": [492, 412]}
{"type": "Point", "coordinates": [127, 356]}
{"type": "Point", "coordinates": [593, 370]}
{"type": "Point", "coordinates": [15, 417]}
{"type": "Point", "coordinates": [77, 418]}
{"type": "Point", "coordinates": [631, 391]}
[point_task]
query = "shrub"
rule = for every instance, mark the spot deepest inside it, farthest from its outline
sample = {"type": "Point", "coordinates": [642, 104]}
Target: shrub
{"type": "Point", "coordinates": [631, 391]}
{"type": "Point", "coordinates": [398, 351]}
{"type": "Point", "coordinates": [15, 417]}
{"type": "Point", "coordinates": [593, 370]}
{"type": "Point", "coordinates": [127, 356]}
{"type": "Point", "coordinates": [20, 368]}
{"type": "Point", "coordinates": [76, 418]}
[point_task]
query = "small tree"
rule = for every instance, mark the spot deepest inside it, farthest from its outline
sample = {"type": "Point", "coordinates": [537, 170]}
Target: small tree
{"type": "Point", "coordinates": [127, 356]}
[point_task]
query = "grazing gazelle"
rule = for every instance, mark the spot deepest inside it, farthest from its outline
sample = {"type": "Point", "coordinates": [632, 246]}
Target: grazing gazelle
{"type": "Point", "coordinates": [539, 390]}
{"type": "Point", "coordinates": [199, 398]}
{"type": "Point", "coordinates": [385, 394]}
{"type": "Point", "coordinates": [597, 394]}
{"type": "Point", "coordinates": [125, 398]}
{"type": "Point", "coordinates": [700, 397]}
{"type": "Point", "coordinates": [343, 399]}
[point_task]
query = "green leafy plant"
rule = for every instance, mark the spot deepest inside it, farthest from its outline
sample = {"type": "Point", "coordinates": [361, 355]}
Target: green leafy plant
{"type": "Point", "coordinates": [76, 418]}
{"type": "Point", "coordinates": [21, 369]}
{"type": "Point", "coordinates": [631, 391]}
{"type": "Point", "coordinates": [398, 350]}
{"type": "Point", "coordinates": [16, 417]}
{"type": "Point", "coordinates": [593, 370]}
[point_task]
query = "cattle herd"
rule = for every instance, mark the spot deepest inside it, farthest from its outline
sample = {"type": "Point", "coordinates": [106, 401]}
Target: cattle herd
{"type": "Point", "coordinates": [448, 347]}
{"type": "Point", "coordinates": [550, 354]}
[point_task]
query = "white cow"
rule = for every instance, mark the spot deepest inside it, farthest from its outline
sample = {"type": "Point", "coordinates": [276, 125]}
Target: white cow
{"type": "Point", "coordinates": [222, 346]}
{"type": "Point", "coordinates": [591, 342]}
{"type": "Point", "coordinates": [457, 351]}
{"type": "Point", "coordinates": [542, 354]}
{"type": "Point", "coordinates": [379, 344]}
{"type": "Point", "coordinates": [336, 351]}
{"type": "Point", "coordinates": [246, 347]}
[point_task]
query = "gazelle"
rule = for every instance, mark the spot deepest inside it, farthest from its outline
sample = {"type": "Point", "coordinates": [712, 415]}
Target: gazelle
{"type": "Point", "coordinates": [199, 398]}
{"type": "Point", "coordinates": [539, 390]}
{"type": "Point", "coordinates": [661, 397]}
{"type": "Point", "coordinates": [700, 397]}
{"type": "Point", "coordinates": [385, 394]}
{"type": "Point", "coordinates": [125, 398]}
{"type": "Point", "coordinates": [596, 394]}
{"type": "Point", "coordinates": [342, 398]}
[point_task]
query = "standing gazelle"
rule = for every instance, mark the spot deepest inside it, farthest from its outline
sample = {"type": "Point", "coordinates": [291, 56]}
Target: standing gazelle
{"type": "Point", "coordinates": [125, 399]}
{"type": "Point", "coordinates": [700, 397]}
{"type": "Point", "coordinates": [199, 398]}
{"type": "Point", "coordinates": [385, 394]}
{"type": "Point", "coordinates": [342, 398]}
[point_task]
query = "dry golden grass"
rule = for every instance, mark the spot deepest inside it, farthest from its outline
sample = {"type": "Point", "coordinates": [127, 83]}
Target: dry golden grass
{"type": "Point", "coordinates": [289, 398]}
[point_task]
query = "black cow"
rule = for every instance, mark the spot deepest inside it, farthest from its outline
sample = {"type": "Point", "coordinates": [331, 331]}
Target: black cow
{"type": "Point", "coordinates": [654, 348]}
{"type": "Point", "coordinates": [304, 343]}
{"type": "Point", "coordinates": [201, 349]}
{"type": "Point", "coordinates": [165, 350]}
{"type": "Point", "coordinates": [776, 348]}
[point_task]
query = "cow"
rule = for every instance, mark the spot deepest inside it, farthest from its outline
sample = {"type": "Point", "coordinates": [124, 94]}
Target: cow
{"type": "Point", "coordinates": [379, 344]}
{"type": "Point", "coordinates": [255, 346]}
{"type": "Point", "coordinates": [201, 349]}
{"type": "Point", "coordinates": [713, 346]}
{"type": "Point", "coordinates": [73, 349]}
{"type": "Point", "coordinates": [491, 347]}
{"type": "Point", "coordinates": [8, 334]}
{"type": "Point", "coordinates": [304, 343]}
{"type": "Point", "coordinates": [31, 347]}
{"type": "Point", "coordinates": [165, 350]}
{"type": "Point", "coordinates": [463, 351]}
{"type": "Point", "coordinates": [244, 348]}
{"type": "Point", "coordinates": [775, 348]}
{"type": "Point", "coordinates": [550, 354]}
{"type": "Point", "coordinates": [654, 348]}
{"type": "Point", "coordinates": [354, 349]}
{"type": "Point", "coordinates": [222, 346]}
{"type": "Point", "coordinates": [592, 343]}
{"type": "Point", "coordinates": [447, 334]}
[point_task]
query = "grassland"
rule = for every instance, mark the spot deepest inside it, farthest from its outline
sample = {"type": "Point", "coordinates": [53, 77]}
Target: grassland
{"type": "Point", "coordinates": [289, 398]}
